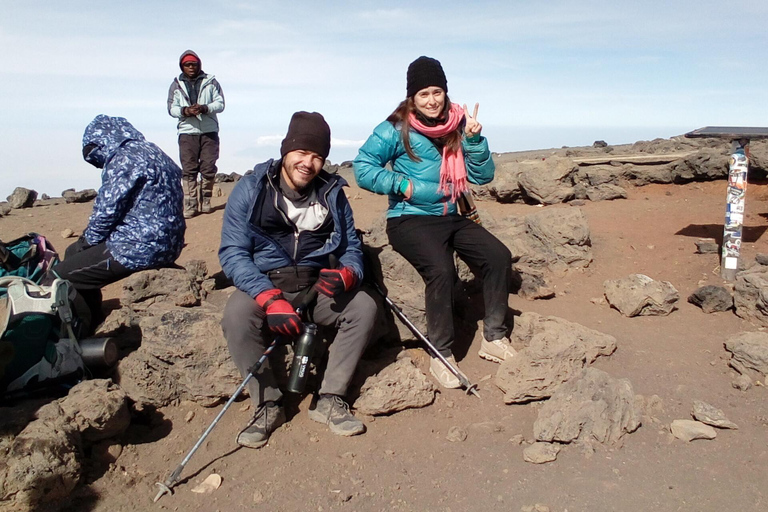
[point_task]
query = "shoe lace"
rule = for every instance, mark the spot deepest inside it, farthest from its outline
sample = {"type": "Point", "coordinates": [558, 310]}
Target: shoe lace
{"type": "Point", "coordinates": [338, 403]}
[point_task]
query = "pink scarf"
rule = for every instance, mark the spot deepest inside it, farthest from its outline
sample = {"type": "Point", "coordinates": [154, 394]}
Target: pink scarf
{"type": "Point", "coordinates": [452, 169]}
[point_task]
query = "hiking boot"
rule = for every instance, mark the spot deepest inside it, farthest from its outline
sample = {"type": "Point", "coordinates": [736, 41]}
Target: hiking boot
{"type": "Point", "coordinates": [496, 350]}
{"type": "Point", "coordinates": [190, 208]}
{"type": "Point", "coordinates": [334, 412]}
{"type": "Point", "coordinates": [267, 418]}
{"type": "Point", "coordinates": [206, 206]}
{"type": "Point", "coordinates": [443, 374]}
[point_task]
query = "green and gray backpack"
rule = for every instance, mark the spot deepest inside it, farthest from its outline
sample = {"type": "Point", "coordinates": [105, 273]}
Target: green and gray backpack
{"type": "Point", "coordinates": [37, 343]}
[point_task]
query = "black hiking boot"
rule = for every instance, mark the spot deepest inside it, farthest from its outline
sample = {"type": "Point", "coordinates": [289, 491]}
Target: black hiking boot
{"type": "Point", "coordinates": [267, 418]}
{"type": "Point", "coordinates": [334, 412]}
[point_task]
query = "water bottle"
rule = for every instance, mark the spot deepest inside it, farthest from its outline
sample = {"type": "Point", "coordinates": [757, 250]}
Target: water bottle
{"type": "Point", "coordinates": [302, 355]}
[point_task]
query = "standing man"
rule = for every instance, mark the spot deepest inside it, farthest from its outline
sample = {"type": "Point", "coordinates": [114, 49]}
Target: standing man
{"type": "Point", "coordinates": [137, 221]}
{"type": "Point", "coordinates": [284, 225]}
{"type": "Point", "coordinates": [194, 99]}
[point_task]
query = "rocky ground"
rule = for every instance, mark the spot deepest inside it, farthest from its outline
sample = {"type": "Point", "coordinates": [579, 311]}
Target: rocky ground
{"type": "Point", "coordinates": [605, 397]}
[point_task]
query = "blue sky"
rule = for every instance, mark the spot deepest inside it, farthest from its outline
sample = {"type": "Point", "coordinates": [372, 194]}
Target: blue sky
{"type": "Point", "coordinates": [546, 73]}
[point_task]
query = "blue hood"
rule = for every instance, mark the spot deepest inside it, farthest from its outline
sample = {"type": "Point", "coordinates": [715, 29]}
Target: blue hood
{"type": "Point", "coordinates": [108, 134]}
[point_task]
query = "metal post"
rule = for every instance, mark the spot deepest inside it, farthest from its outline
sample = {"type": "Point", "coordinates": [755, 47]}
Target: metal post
{"type": "Point", "coordinates": [734, 209]}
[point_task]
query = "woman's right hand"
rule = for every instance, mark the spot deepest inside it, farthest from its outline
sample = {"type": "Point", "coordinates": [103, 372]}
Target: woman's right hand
{"type": "Point", "coordinates": [408, 191]}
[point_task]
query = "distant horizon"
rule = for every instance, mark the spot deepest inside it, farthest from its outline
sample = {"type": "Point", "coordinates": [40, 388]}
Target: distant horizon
{"type": "Point", "coordinates": [84, 176]}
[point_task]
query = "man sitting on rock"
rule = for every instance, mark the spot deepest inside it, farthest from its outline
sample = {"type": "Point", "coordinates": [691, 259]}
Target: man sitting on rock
{"type": "Point", "coordinates": [137, 221]}
{"type": "Point", "coordinates": [284, 226]}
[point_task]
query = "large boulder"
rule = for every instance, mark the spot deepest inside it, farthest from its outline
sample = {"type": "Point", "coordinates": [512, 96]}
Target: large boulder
{"type": "Point", "coordinates": [639, 295]}
{"type": "Point", "coordinates": [397, 387]}
{"type": "Point", "coordinates": [505, 187]}
{"type": "Point", "coordinates": [750, 295]}
{"type": "Point", "coordinates": [83, 196]}
{"type": "Point", "coordinates": [21, 198]}
{"type": "Point", "coordinates": [591, 406]}
{"type": "Point", "coordinates": [712, 298]}
{"type": "Point", "coordinates": [181, 355]}
{"type": "Point", "coordinates": [98, 408]}
{"type": "Point", "coordinates": [749, 351]}
{"type": "Point", "coordinates": [554, 351]}
{"type": "Point", "coordinates": [549, 181]}
{"type": "Point", "coordinates": [564, 233]}
{"type": "Point", "coordinates": [174, 285]}
{"type": "Point", "coordinates": [43, 463]}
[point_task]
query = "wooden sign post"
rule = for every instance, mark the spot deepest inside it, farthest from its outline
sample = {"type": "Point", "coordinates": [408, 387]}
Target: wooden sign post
{"type": "Point", "coordinates": [737, 190]}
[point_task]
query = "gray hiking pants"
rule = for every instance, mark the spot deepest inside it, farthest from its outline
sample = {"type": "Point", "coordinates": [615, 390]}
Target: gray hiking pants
{"type": "Point", "coordinates": [352, 313]}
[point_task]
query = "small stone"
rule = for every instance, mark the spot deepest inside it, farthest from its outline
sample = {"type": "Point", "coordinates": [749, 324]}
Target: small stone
{"type": "Point", "coordinates": [688, 430]}
{"type": "Point", "coordinates": [389, 452]}
{"type": "Point", "coordinates": [540, 508]}
{"type": "Point", "coordinates": [456, 435]}
{"type": "Point", "coordinates": [517, 439]}
{"type": "Point", "coordinates": [742, 382]}
{"type": "Point", "coordinates": [210, 484]}
{"type": "Point", "coordinates": [67, 233]}
{"type": "Point", "coordinates": [190, 415]}
{"type": "Point", "coordinates": [707, 246]}
{"type": "Point", "coordinates": [539, 453]}
{"type": "Point", "coordinates": [761, 258]}
{"type": "Point", "coordinates": [711, 415]}
{"type": "Point", "coordinates": [258, 497]}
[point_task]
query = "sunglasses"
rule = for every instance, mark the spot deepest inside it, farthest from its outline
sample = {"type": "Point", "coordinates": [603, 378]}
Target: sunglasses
{"type": "Point", "coordinates": [190, 64]}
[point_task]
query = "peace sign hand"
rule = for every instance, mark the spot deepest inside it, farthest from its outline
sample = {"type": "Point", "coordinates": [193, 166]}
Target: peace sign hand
{"type": "Point", "coordinates": [472, 128]}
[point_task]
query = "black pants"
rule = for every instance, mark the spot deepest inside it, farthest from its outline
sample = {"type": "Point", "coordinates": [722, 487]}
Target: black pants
{"type": "Point", "coordinates": [89, 268]}
{"type": "Point", "coordinates": [198, 154]}
{"type": "Point", "coordinates": [428, 243]}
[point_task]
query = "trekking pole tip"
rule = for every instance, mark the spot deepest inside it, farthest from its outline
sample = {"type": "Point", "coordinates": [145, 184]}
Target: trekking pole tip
{"type": "Point", "coordinates": [473, 389]}
{"type": "Point", "coordinates": [164, 489]}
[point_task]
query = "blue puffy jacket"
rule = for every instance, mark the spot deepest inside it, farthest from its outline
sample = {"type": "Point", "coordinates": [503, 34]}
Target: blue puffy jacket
{"type": "Point", "coordinates": [385, 145]}
{"type": "Point", "coordinates": [247, 252]}
{"type": "Point", "coordinates": [138, 210]}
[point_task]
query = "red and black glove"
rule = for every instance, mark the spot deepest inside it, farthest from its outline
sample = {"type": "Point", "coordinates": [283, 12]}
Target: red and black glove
{"type": "Point", "coordinates": [281, 317]}
{"type": "Point", "coordinates": [335, 281]}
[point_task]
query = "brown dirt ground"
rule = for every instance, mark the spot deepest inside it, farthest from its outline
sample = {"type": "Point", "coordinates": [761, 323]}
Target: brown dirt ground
{"type": "Point", "coordinates": [404, 461]}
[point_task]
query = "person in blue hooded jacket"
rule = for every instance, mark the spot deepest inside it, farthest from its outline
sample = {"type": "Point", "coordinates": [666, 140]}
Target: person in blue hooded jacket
{"type": "Point", "coordinates": [435, 149]}
{"type": "Point", "coordinates": [137, 221]}
{"type": "Point", "coordinates": [287, 227]}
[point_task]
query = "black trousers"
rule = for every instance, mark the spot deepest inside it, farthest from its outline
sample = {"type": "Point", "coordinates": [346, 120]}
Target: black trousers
{"type": "Point", "coordinates": [89, 268]}
{"type": "Point", "coordinates": [198, 154]}
{"type": "Point", "coordinates": [428, 243]}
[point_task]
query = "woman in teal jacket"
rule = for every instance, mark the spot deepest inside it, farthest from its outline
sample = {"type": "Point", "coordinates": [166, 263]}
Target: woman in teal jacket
{"type": "Point", "coordinates": [435, 148]}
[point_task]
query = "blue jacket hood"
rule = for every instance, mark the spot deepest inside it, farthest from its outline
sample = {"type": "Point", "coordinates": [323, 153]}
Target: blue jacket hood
{"type": "Point", "coordinates": [108, 134]}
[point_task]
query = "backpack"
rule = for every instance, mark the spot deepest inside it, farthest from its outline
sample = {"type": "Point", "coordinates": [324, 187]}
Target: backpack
{"type": "Point", "coordinates": [29, 256]}
{"type": "Point", "coordinates": [38, 346]}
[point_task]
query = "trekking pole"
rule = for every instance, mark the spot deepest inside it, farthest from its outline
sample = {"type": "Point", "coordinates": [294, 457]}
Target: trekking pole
{"type": "Point", "coordinates": [468, 386]}
{"type": "Point", "coordinates": [166, 487]}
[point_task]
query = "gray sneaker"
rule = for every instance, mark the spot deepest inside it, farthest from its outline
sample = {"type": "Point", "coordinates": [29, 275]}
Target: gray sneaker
{"type": "Point", "coordinates": [267, 418]}
{"type": "Point", "coordinates": [334, 412]}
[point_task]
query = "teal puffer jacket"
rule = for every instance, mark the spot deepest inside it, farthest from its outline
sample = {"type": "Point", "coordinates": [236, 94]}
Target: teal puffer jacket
{"type": "Point", "coordinates": [385, 146]}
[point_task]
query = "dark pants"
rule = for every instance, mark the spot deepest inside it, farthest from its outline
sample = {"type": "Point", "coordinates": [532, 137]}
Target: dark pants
{"type": "Point", "coordinates": [428, 243]}
{"type": "Point", "coordinates": [89, 268]}
{"type": "Point", "coordinates": [198, 154]}
{"type": "Point", "coordinates": [352, 313]}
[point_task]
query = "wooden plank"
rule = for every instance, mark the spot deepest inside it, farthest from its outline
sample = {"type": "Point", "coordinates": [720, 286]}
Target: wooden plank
{"type": "Point", "coordinates": [634, 159]}
{"type": "Point", "coordinates": [730, 132]}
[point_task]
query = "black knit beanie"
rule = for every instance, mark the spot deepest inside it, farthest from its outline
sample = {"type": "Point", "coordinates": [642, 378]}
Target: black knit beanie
{"type": "Point", "coordinates": [307, 131]}
{"type": "Point", "coordinates": [422, 73]}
